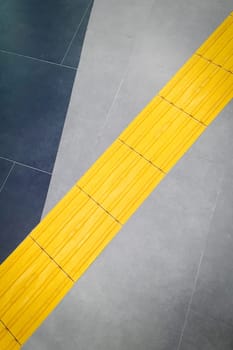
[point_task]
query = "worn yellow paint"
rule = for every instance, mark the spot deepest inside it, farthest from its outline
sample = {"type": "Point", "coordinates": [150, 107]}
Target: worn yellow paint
{"type": "Point", "coordinates": [44, 267]}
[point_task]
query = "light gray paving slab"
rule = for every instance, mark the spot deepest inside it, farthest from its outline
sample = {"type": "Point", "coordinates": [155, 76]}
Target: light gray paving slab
{"type": "Point", "coordinates": [213, 295]}
{"type": "Point", "coordinates": [136, 294]}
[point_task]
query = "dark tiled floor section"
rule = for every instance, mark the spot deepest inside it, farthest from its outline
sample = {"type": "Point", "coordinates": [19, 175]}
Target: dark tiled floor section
{"type": "Point", "coordinates": [41, 29]}
{"type": "Point", "coordinates": [21, 203]}
{"type": "Point", "coordinates": [35, 88]}
{"type": "Point", "coordinates": [33, 104]}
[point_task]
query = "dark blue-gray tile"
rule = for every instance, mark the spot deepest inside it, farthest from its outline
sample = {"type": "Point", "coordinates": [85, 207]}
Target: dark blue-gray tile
{"type": "Point", "coordinates": [5, 168]}
{"type": "Point", "coordinates": [21, 204]}
{"type": "Point", "coordinates": [213, 295]}
{"type": "Point", "coordinates": [73, 55]}
{"type": "Point", "coordinates": [40, 29]}
{"type": "Point", "coordinates": [206, 334]}
{"type": "Point", "coordinates": [33, 104]}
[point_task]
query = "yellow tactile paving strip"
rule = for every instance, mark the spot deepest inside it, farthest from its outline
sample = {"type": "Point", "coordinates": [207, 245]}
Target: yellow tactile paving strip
{"type": "Point", "coordinates": [43, 268]}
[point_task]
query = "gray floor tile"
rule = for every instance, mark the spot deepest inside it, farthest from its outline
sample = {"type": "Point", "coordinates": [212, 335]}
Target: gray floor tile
{"type": "Point", "coordinates": [206, 334]}
{"type": "Point", "coordinates": [215, 285]}
{"type": "Point", "coordinates": [216, 144]}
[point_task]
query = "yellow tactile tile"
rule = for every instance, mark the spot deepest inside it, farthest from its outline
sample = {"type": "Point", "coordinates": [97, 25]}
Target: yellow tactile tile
{"type": "Point", "coordinates": [56, 211]}
{"type": "Point", "coordinates": [163, 135]}
{"type": "Point", "coordinates": [37, 275]}
{"type": "Point", "coordinates": [219, 47]}
{"type": "Point", "coordinates": [76, 235]}
{"type": "Point", "coordinates": [120, 180]}
{"type": "Point", "coordinates": [31, 287]}
{"type": "Point", "coordinates": [7, 341]}
{"type": "Point", "coordinates": [200, 88]}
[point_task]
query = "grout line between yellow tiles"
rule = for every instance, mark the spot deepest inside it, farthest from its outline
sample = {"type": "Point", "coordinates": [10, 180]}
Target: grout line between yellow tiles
{"type": "Point", "coordinates": [149, 161]}
{"type": "Point", "coordinates": [35, 241]}
{"type": "Point", "coordinates": [106, 211]}
{"type": "Point", "coordinates": [215, 64]}
{"type": "Point", "coordinates": [9, 331]}
{"type": "Point", "coordinates": [182, 110]}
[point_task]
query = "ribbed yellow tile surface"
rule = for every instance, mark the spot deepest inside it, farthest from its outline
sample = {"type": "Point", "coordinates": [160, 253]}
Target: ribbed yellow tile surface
{"type": "Point", "coordinates": [7, 341]}
{"type": "Point", "coordinates": [169, 133]}
{"type": "Point", "coordinates": [120, 180]}
{"type": "Point", "coordinates": [31, 287]}
{"type": "Point", "coordinates": [200, 88]}
{"type": "Point", "coordinates": [37, 275]}
{"type": "Point", "coordinates": [76, 235]}
{"type": "Point", "coordinates": [219, 47]}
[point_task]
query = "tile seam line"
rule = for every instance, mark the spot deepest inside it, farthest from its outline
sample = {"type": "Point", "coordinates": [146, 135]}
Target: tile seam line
{"type": "Point", "coordinates": [12, 334]}
{"type": "Point", "coordinates": [26, 165]}
{"type": "Point", "coordinates": [106, 211]}
{"type": "Point", "coordinates": [108, 114]}
{"type": "Point", "coordinates": [215, 64]}
{"type": "Point", "coordinates": [37, 59]}
{"type": "Point", "coordinates": [182, 110]}
{"type": "Point", "coordinates": [75, 33]}
{"type": "Point", "coordinates": [8, 175]}
{"type": "Point", "coordinates": [189, 307]}
{"type": "Point", "coordinates": [51, 258]}
{"type": "Point", "coordinates": [141, 155]}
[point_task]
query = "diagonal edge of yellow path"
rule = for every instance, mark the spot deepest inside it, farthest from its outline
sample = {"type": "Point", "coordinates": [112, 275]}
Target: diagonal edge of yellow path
{"type": "Point", "coordinates": [43, 268]}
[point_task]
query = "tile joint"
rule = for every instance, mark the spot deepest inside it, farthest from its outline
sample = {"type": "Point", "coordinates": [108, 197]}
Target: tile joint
{"type": "Point", "coordinates": [37, 59]}
{"type": "Point", "coordinates": [5, 181]}
{"type": "Point", "coordinates": [142, 156]}
{"type": "Point", "coordinates": [35, 241]}
{"type": "Point", "coordinates": [5, 326]}
{"type": "Point", "coordinates": [75, 33]}
{"type": "Point", "coordinates": [182, 110]}
{"type": "Point", "coordinates": [87, 194]}
{"type": "Point", "coordinates": [215, 64]}
{"type": "Point", "coordinates": [25, 165]}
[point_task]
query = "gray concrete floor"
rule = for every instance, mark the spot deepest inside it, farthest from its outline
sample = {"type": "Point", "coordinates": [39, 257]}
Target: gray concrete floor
{"type": "Point", "coordinates": [166, 281]}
